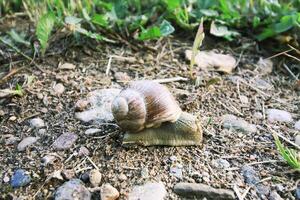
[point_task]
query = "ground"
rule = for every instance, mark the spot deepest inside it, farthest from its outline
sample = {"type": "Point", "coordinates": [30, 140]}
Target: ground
{"type": "Point", "coordinates": [215, 95]}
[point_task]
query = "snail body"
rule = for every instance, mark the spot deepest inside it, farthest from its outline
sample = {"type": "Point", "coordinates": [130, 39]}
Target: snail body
{"type": "Point", "coordinates": [150, 115]}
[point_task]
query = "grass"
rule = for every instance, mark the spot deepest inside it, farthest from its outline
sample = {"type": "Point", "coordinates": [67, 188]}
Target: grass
{"type": "Point", "coordinates": [289, 155]}
{"type": "Point", "coordinates": [146, 20]}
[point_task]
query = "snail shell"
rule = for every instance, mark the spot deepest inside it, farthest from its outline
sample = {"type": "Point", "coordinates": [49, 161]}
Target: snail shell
{"type": "Point", "coordinates": [144, 104]}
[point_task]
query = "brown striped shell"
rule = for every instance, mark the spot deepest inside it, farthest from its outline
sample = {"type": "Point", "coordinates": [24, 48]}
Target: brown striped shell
{"type": "Point", "coordinates": [144, 104]}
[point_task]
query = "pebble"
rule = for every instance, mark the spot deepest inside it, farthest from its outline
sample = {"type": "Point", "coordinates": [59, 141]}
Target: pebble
{"type": "Point", "coordinates": [81, 105]}
{"type": "Point", "coordinates": [12, 118]}
{"type": "Point", "coordinates": [250, 175]}
{"type": "Point", "coordinates": [297, 125]}
{"type": "Point", "coordinates": [244, 99]}
{"type": "Point", "coordinates": [148, 191]}
{"type": "Point", "coordinates": [221, 163]}
{"type": "Point", "coordinates": [83, 151]}
{"type": "Point", "coordinates": [122, 77]}
{"type": "Point", "coordinates": [36, 123]}
{"type": "Point", "coordinates": [279, 115]}
{"type": "Point", "coordinates": [199, 191]}
{"type": "Point", "coordinates": [265, 66]}
{"type": "Point", "coordinates": [72, 189]}
{"type": "Point", "coordinates": [42, 131]}
{"type": "Point", "coordinates": [11, 139]}
{"type": "Point", "coordinates": [239, 124]}
{"type": "Point", "coordinates": [92, 131]}
{"type": "Point", "coordinates": [274, 196]}
{"type": "Point", "coordinates": [145, 172]}
{"type": "Point", "coordinates": [65, 141]}
{"type": "Point", "coordinates": [47, 159]}
{"type": "Point", "coordinates": [26, 142]}
{"type": "Point", "coordinates": [67, 66]}
{"type": "Point", "coordinates": [108, 192]}
{"type": "Point", "coordinates": [68, 174]}
{"type": "Point", "coordinates": [95, 177]}
{"type": "Point", "coordinates": [262, 84]}
{"type": "Point", "coordinates": [297, 140]}
{"type": "Point", "coordinates": [173, 158]}
{"type": "Point", "coordinates": [20, 178]}
{"type": "Point", "coordinates": [58, 89]}
{"type": "Point", "coordinates": [40, 96]}
{"type": "Point", "coordinates": [100, 109]}
{"type": "Point", "coordinates": [85, 177]}
{"type": "Point", "coordinates": [6, 178]}
{"type": "Point", "coordinates": [258, 115]}
{"type": "Point", "coordinates": [122, 177]}
{"type": "Point", "coordinates": [298, 192]}
{"type": "Point", "coordinates": [176, 170]}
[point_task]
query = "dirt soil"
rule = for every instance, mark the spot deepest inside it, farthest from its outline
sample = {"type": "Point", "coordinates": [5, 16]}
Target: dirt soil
{"type": "Point", "coordinates": [215, 94]}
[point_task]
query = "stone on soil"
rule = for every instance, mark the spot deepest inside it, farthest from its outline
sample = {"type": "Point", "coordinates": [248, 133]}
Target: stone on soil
{"type": "Point", "coordinates": [83, 151]}
{"type": "Point", "coordinates": [274, 196]}
{"type": "Point", "coordinates": [37, 123]}
{"type": "Point", "coordinates": [199, 191]}
{"type": "Point", "coordinates": [250, 175]}
{"type": "Point", "coordinates": [221, 163]}
{"type": "Point", "coordinates": [265, 66]}
{"type": "Point", "coordinates": [148, 191]}
{"type": "Point", "coordinates": [297, 140]}
{"type": "Point", "coordinates": [73, 189]}
{"type": "Point", "coordinates": [100, 106]}
{"type": "Point", "coordinates": [297, 125]}
{"type": "Point", "coordinates": [65, 141]}
{"type": "Point", "coordinates": [58, 89]}
{"type": "Point", "coordinates": [20, 178]}
{"type": "Point", "coordinates": [176, 170]}
{"type": "Point", "coordinates": [95, 177]}
{"type": "Point", "coordinates": [239, 124]}
{"type": "Point", "coordinates": [108, 192]}
{"type": "Point", "coordinates": [92, 131]}
{"type": "Point", "coordinates": [26, 142]}
{"type": "Point", "coordinates": [279, 115]}
{"type": "Point", "coordinates": [67, 66]}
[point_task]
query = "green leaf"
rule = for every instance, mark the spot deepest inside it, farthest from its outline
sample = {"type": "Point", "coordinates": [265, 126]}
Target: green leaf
{"type": "Point", "coordinates": [19, 38]}
{"type": "Point", "coordinates": [173, 4]}
{"type": "Point", "coordinates": [166, 28]}
{"type": "Point", "coordinates": [209, 12]}
{"type": "Point", "coordinates": [222, 31]}
{"type": "Point", "coordinates": [256, 21]}
{"type": "Point", "coordinates": [88, 33]}
{"type": "Point", "coordinates": [151, 33]}
{"type": "Point", "coordinates": [121, 8]}
{"type": "Point", "coordinates": [43, 30]}
{"type": "Point", "coordinates": [100, 20]}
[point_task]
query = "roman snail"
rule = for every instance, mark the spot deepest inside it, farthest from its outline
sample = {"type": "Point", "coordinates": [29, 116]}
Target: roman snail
{"type": "Point", "coordinates": [150, 115]}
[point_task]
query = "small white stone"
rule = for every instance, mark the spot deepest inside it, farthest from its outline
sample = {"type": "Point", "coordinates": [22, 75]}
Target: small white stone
{"type": "Point", "coordinates": [67, 66]}
{"type": "Point", "coordinates": [37, 123]}
{"type": "Point", "coordinates": [148, 191]}
{"type": "Point", "coordinates": [95, 177]}
{"type": "Point", "coordinates": [297, 140]}
{"type": "Point", "coordinates": [279, 115]}
{"type": "Point", "coordinates": [122, 177]}
{"type": "Point", "coordinates": [173, 158]}
{"type": "Point", "coordinates": [297, 125]}
{"type": "Point", "coordinates": [108, 192]}
{"type": "Point", "coordinates": [244, 99]}
{"type": "Point", "coordinates": [58, 89]}
{"type": "Point", "coordinates": [26, 142]}
{"type": "Point", "coordinates": [258, 115]}
{"type": "Point", "coordinates": [92, 131]}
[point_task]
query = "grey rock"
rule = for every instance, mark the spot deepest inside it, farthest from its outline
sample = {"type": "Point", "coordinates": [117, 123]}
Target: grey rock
{"type": "Point", "coordinates": [148, 191]}
{"type": "Point", "coordinates": [274, 196]}
{"type": "Point", "coordinates": [297, 125]}
{"type": "Point", "coordinates": [176, 170]}
{"type": "Point", "coordinates": [20, 178]}
{"type": "Point", "coordinates": [265, 66]}
{"type": "Point", "coordinates": [262, 84]}
{"type": "Point", "coordinates": [221, 163]}
{"type": "Point", "coordinates": [239, 124]}
{"type": "Point", "coordinates": [258, 115]}
{"type": "Point", "coordinates": [297, 140]}
{"type": "Point", "coordinates": [26, 142]}
{"type": "Point", "coordinates": [11, 139]}
{"type": "Point", "coordinates": [122, 177]}
{"type": "Point", "coordinates": [83, 151]}
{"type": "Point", "coordinates": [263, 190]}
{"type": "Point", "coordinates": [36, 123]}
{"type": "Point", "coordinates": [199, 191]}
{"type": "Point", "coordinates": [279, 115]}
{"type": "Point", "coordinates": [58, 89]}
{"type": "Point", "coordinates": [173, 158]}
{"type": "Point", "coordinates": [298, 192]}
{"type": "Point", "coordinates": [95, 177]}
{"type": "Point", "coordinates": [100, 106]}
{"type": "Point", "coordinates": [68, 174]}
{"type": "Point", "coordinates": [73, 189]}
{"type": "Point", "coordinates": [108, 192]}
{"type": "Point", "coordinates": [65, 141]}
{"type": "Point", "coordinates": [244, 99]}
{"type": "Point", "coordinates": [48, 159]}
{"type": "Point", "coordinates": [92, 131]}
{"type": "Point", "coordinates": [145, 172]}
{"type": "Point", "coordinates": [42, 132]}
{"type": "Point", "coordinates": [250, 175]}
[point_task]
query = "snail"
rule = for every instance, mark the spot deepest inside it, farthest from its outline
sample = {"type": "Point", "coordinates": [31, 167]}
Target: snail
{"type": "Point", "coordinates": [150, 115]}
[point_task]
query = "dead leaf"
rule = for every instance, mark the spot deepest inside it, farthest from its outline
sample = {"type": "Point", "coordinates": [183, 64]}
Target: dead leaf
{"type": "Point", "coordinates": [265, 66]}
{"type": "Point", "coordinates": [68, 66]}
{"type": "Point", "coordinates": [209, 60]}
